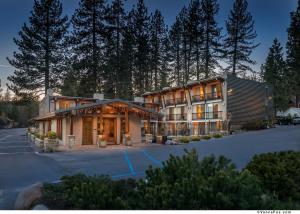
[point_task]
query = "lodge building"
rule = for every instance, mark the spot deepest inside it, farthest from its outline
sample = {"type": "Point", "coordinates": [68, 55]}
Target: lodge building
{"type": "Point", "coordinates": [197, 108]}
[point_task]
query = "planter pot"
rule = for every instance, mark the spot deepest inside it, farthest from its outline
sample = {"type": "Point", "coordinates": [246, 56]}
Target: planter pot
{"type": "Point", "coordinates": [159, 139]}
{"type": "Point", "coordinates": [102, 143]}
{"type": "Point", "coordinates": [71, 141]}
{"type": "Point", "coordinates": [32, 137]}
{"type": "Point", "coordinates": [149, 138]}
{"type": "Point", "coordinates": [127, 140]}
{"type": "Point", "coordinates": [50, 145]}
{"type": "Point", "coordinates": [39, 143]}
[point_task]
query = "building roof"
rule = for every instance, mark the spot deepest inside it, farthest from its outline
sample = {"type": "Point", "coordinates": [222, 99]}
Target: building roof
{"type": "Point", "coordinates": [189, 84]}
{"type": "Point", "coordinates": [72, 98]}
{"type": "Point", "coordinates": [93, 105]}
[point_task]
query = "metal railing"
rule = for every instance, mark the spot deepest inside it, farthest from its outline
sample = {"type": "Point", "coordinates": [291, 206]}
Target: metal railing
{"type": "Point", "coordinates": [180, 100]}
{"type": "Point", "coordinates": [213, 96]}
{"type": "Point", "coordinates": [207, 115]}
{"type": "Point", "coordinates": [170, 102]}
{"type": "Point", "coordinates": [175, 117]}
{"type": "Point", "coordinates": [198, 98]}
{"type": "Point", "coordinates": [207, 96]}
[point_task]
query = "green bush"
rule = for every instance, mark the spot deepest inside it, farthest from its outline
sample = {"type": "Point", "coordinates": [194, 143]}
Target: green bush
{"type": "Point", "coordinates": [217, 135]}
{"type": "Point", "coordinates": [206, 137]}
{"type": "Point", "coordinates": [182, 183]}
{"type": "Point", "coordinates": [83, 192]}
{"type": "Point", "coordinates": [279, 173]}
{"type": "Point", "coordinates": [254, 125]}
{"type": "Point", "coordinates": [195, 138]}
{"type": "Point", "coordinates": [52, 135]}
{"type": "Point", "coordinates": [184, 139]}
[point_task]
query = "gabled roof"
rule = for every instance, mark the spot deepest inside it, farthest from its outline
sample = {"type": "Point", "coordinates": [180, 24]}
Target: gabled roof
{"type": "Point", "coordinates": [93, 105]}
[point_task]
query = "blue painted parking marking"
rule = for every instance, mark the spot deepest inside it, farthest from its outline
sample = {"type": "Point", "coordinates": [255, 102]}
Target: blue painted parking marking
{"type": "Point", "coordinates": [130, 166]}
{"type": "Point", "coordinates": [153, 159]}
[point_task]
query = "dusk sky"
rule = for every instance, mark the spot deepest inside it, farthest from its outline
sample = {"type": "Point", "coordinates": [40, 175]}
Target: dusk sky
{"type": "Point", "coordinates": [272, 17]}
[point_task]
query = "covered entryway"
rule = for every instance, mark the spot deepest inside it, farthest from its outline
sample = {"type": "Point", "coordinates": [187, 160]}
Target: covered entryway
{"type": "Point", "coordinates": [87, 131]}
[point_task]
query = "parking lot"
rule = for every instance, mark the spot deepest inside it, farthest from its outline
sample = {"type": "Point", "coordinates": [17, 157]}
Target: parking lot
{"type": "Point", "coordinates": [21, 165]}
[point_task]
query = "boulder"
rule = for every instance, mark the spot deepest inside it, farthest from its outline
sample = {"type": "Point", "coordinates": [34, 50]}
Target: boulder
{"type": "Point", "coordinates": [40, 207]}
{"type": "Point", "coordinates": [28, 196]}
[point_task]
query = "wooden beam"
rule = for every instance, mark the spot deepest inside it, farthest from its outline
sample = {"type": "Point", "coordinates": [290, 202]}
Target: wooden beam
{"type": "Point", "coordinates": [126, 122]}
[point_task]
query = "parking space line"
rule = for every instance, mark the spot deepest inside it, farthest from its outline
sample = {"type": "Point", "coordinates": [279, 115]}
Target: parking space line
{"type": "Point", "coordinates": [153, 159]}
{"type": "Point", "coordinates": [130, 166]}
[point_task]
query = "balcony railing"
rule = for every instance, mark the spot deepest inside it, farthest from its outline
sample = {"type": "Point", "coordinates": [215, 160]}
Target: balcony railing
{"type": "Point", "coordinates": [207, 96]}
{"type": "Point", "coordinates": [207, 115]}
{"type": "Point", "coordinates": [213, 96]}
{"type": "Point", "coordinates": [180, 101]}
{"type": "Point", "coordinates": [170, 102]}
{"type": "Point", "coordinates": [175, 117]}
{"type": "Point", "coordinates": [198, 98]}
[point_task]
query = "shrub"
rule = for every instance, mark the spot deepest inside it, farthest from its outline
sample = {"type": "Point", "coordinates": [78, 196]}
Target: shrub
{"type": "Point", "coordinates": [195, 138]}
{"type": "Point", "coordinates": [254, 125]}
{"type": "Point", "coordinates": [52, 135]}
{"type": "Point", "coordinates": [217, 135]}
{"type": "Point", "coordinates": [83, 192]}
{"type": "Point", "coordinates": [206, 137]}
{"type": "Point", "coordinates": [182, 183]}
{"type": "Point", "coordinates": [184, 139]}
{"type": "Point", "coordinates": [279, 173]}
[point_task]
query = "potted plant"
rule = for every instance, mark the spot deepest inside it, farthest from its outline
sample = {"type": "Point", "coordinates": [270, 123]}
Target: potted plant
{"type": "Point", "coordinates": [101, 141]}
{"type": "Point", "coordinates": [51, 142]}
{"type": "Point", "coordinates": [39, 140]}
{"type": "Point", "coordinates": [128, 141]}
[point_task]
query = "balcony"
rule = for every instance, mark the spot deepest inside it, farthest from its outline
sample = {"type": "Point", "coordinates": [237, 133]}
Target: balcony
{"type": "Point", "coordinates": [213, 96]}
{"type": "Point", "coordinates": [180, 100]}
{"type": "Point", "coordinates": [176, 117]}
{"type": "Point", "coordinates": [170, 102]}
{"type": "Point", "coordinates": [198, 98]}
{"type": "Point", "coordinates": [207, 115]}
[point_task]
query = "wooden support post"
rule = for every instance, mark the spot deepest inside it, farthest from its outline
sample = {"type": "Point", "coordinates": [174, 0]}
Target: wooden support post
{"type": "Point", "coordinates": [126, 122]}
{"type": "Point", "coordinates": [71, 125]}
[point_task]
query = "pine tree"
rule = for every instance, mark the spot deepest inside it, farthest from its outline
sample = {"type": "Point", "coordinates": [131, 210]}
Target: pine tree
{"type": "Point", "coordinates": [158, 34]}
{"type": "Point", "coordinates": [196, 30]}
{"type": "Point", "coordinates": [239, 42]}
{"type": "Point", "coordinates": [127, 57]}
{"type": "Point", "coordinates": [115, 18]}
{"type": "Point", "coordinates": [87, 43]}
{"type": "Point", "coordinates": [175, 35]}
{"type": "Point", "coordinates": [293, 53]}
{"type": "Point", "coordinates": [39, 61]}
{"type": "Point", "coordinates": [141, 37]}
{"type": "Point", "coordinates": [274, 72]}
{"type": "Point", "coordinates": [212, 48]}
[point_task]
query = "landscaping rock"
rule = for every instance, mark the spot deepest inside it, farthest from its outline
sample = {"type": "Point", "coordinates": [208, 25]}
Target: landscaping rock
{"type": "Point", "coordinates": [28, 196]}
{"type": "Point", "coordinates": [40, 207]}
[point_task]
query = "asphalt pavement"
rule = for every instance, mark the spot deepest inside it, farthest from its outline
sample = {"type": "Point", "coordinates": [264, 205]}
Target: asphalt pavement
{"type": "Point", "coordinates": [21, 165]}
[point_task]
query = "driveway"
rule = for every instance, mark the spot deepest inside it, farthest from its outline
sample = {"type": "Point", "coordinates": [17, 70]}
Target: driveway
{"type": "Point", "coordinates": [21, 166]}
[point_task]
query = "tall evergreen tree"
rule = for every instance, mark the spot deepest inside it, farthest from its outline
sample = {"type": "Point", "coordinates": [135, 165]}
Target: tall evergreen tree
{"type": "Point", "coordinates": [239, 42]}
{"type": "Point", "coordinates": [87, 42]}
{"type": "Point", "coordinates": [212, 48]}
{"type": "Point", "coordinates": [115, 18]}
{"type": "Point", "coordinates": [141, 37]}
{"type": "Point", "coordinates": [127, 59]}
{"type": "Point", "coordinates": [293, 53]}
{"type": "Point", "coordinates": [39, 61]}
{"type": "Point", "coordinates": [158, 34]}
{"type": "Point", "coordinates": [274, 72]}
{"type": "Point", "coordinates": [175, 35]}
{"type": "Point", "coordinates": [196, 31]}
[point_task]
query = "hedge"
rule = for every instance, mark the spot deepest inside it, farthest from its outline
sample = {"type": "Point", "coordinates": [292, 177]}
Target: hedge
{"type": "Point", "coordinates": [181, 183]}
